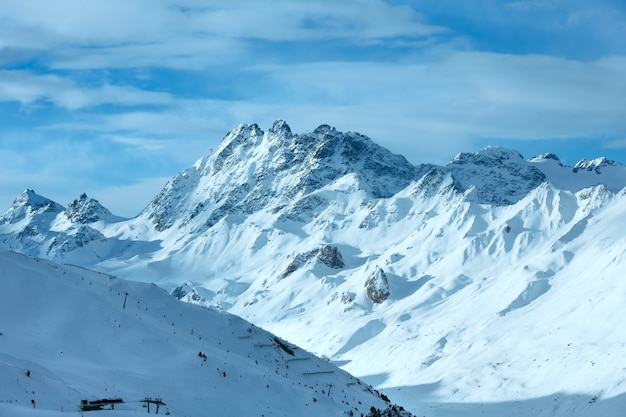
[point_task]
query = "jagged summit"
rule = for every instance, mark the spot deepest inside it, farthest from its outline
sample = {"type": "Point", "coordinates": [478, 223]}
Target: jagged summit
{"type": "Point", "coordinates": [495, 175]}
{"type": "Point", "coordinates": [319, 157]}
{"type": "Point", "coordinates": [281, 127]}
{"type": "Point", "coordinates": [380, 173]}
{"type": "Point", "coordinates": [489, 156]}
{"type": "Point", "coordinates": [29, 203]}
{"type": "Point", "coordinates": [253, 170]}
{"type": "Point", "coordinates": [37, 226]}
{"type": "Point", "coordinates": [276, 170]}
{"type": "Point", "coordinates": [546, 157]}
{"type": "Point", "coordinates": [586, 173]}
{"type": "Point", "coordinates": [86, 210]}
{"type": "Point", "coordinates": [595, 165]}
{"type": "Point", "coordinates": [35, 201]}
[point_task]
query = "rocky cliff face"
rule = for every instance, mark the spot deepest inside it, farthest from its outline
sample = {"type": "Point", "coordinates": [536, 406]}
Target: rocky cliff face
{"type": "Point", "coordinates": [495, 175]}
{"type": "Point", "coordinates": [254, 170]}
{"type": "Point", "coordinates": [327, 255]}
{"type": "Point", "coordinates": [86, 210]}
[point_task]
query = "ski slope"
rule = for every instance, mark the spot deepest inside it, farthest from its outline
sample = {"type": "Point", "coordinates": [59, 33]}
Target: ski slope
{"type": "Point", "coordinates": [69, 334]}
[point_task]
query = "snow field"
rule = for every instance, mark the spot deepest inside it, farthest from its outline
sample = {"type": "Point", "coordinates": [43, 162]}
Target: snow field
{"type": "Point", "coordinates": [71, 338]}
{"type": "Point", "coordinates": [505, 282]}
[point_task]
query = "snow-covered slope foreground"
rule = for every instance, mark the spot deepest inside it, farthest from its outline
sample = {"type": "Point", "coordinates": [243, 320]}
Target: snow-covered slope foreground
{"type": "Point", "coordinates": [491, 283]}
{"type": "Point", "coordinates": [69, 334]}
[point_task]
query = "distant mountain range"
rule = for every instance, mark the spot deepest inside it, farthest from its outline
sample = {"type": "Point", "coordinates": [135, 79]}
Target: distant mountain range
{"type": "Point", "coordinates": [492, 278]}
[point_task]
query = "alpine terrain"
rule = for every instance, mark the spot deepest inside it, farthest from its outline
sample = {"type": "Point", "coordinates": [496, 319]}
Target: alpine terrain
{"type": "Point", "coordinates": [490, 286]}
{"type": "Point", "coordinates": [80, 341]}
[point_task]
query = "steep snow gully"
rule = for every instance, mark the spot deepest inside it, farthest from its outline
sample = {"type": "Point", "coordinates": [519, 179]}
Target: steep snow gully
{"type": "Point", "coordinates": [491, 285]}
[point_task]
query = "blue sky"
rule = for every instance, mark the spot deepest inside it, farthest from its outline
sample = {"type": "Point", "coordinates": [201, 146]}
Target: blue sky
{"type": "Point", "coordinates": [113, 98]}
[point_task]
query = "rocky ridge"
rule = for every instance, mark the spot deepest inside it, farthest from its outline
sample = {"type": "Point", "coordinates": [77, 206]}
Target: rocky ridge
{"type": "Point", "coordinates": [253, 170]}
{"type": "Point", "coordinates": [86, 210]}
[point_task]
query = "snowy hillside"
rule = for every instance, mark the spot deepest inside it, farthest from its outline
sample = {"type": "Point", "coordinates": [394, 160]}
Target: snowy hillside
{"type": "Point", "coordinates": [491, 283]}
{"type": "Point", "coordinates": [70, 334]}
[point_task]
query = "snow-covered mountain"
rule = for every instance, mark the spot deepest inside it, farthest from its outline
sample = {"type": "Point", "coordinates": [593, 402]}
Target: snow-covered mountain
{"type": "Point", "coordinates": [492, 279]}
{"type": "Point", "coordinates": [73, 335]}
{"type": "Point", "coordinates": [252, 171]}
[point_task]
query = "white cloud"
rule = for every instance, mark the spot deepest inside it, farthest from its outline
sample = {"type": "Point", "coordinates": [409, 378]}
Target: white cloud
{"type": "Point", "coordinates": [526, 5]}
{"type": "Point", "coordinates": [191, 34]}
{"type": "Point", "coordinates": [27, 88]}
{"type": "Point", "coordinates": [140, 144]}
{"type": "Point", "coordinates": [616, 144]}
{"type": "Point", "coordinates": [473, 94]}
{"type": "Point", "coordinates": [313, 20]}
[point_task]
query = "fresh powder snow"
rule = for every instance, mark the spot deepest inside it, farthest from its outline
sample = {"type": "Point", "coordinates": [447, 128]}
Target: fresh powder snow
{"type": "Point", "coordinates": [71, 335]}
{"type": "Point", "coordinates": [502, 276]}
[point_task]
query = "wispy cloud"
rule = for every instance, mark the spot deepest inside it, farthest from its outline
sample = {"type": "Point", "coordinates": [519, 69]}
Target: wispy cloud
{"type": "Point", "coordinates": [139, 144]}
{"type": "Point", "coordinates": [192, 34]}
{"type": "Point", "coordinates": [527, 5]}
{"type": "Point", "coordinates": [473, 94]}
{"type": "Point", "coordinates": [616, 144]}
{"type": "Point", "coordinates": [27, 88]}
{"type": "Point", "coordinates": [124, 199]}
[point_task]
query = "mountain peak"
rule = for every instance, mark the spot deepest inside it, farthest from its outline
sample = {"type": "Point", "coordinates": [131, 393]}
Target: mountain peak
{"type": "Point", "coordinates": [280, 127]}
{"type": "Point", "coordinates": [492, 155]}
{"type": "Point", "coordinates": [380, 172]}
{"type": "Point", "coordinates": [254, 170]}
{"type": "Point", "coordinates": [324, 129]}
{"type": "Point", "coordinates": [546, 157]}
{"type": "Point", "coordinates": [495, 175]}
{"type": "Point", "coordinates": [595, 164]}
{"type": "Point", "coordinates": [86, 210]}
{"type": "Point", "coordinates": [29, 202]}
{"type": "Point", "coordinates": [242, 136]}
{"type": "Point", "coordinates": [30, 198]}
{"type": "Point", "coordinates": [586, 173]}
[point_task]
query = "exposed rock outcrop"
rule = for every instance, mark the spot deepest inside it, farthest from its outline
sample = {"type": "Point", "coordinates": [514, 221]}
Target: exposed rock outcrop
{"type": "Point", "coordinates": [327, 255]}
{"type": "Point", "coordinates": [86, 210]}
{"type": "Point", "coordinates": [377, 286]}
